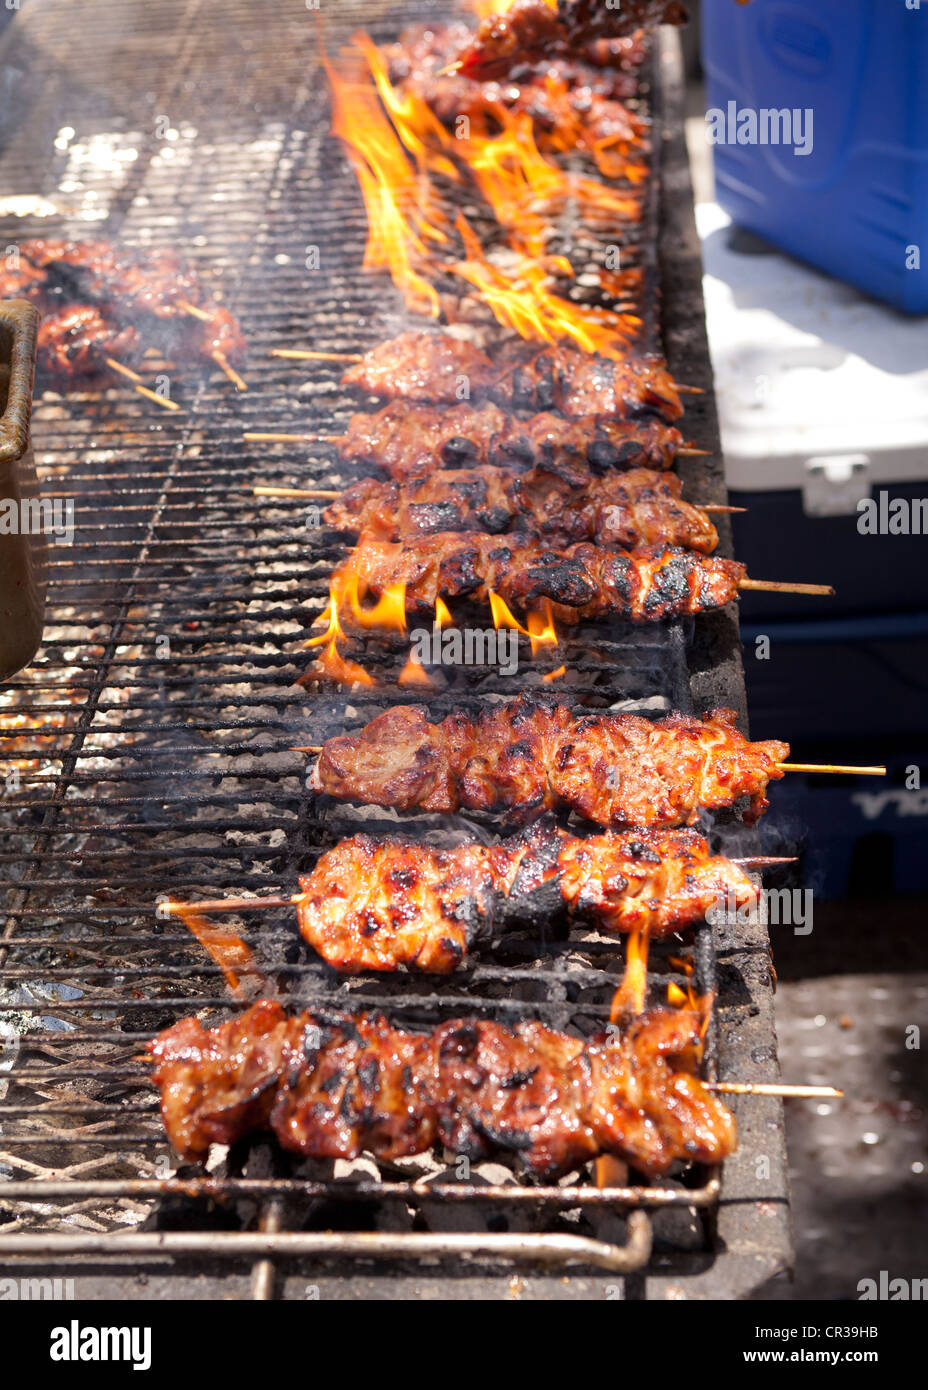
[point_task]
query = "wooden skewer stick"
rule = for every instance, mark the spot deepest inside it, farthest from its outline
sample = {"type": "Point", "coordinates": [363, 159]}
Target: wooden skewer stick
{"type": "Point", "coordinates": [217, 355]}
{"type": "Point", "coordinates": [782, 767]}
{"type": "Point", "coordinates": [125, 371]}
{"type": "Point", "coordinates": [744, 1088]}
{"type": "Point", "coordinates": [721, 511]}
{"type": "Point", "coordinates": [730, 1088]}
{"type": "Point", "coordinates": [275, 437]}
{"type": "Point", "coordinates": [280, 437]}
{"type": "Point", "coordinates": [257, 904]}
{"type": "Point", "coordinates": [776, 586]}
{"type": "Point", "coordinates": [295, 492]}
{"type": "Point", "coordinates": [840, 768]}
{"type": "Point", "coordinates": [137, 385]}
{"type": "Point", "coordinates": [164, 401]}
{"type": "Point", "coordinates": [225, 365]}
{"type": "Point", "coordinates": [230, 904]}
{"type": "Point", "coordinates": [262, 435]}
{"type": "Point", "coordinates": [193, 310]}
{"type": "Point", "coordinates": [764, 861]}
{"type": "Point", "coordinates": [303, 355]}
{"type": "Point", "coordinates": [267, 491]}
{"type": "Point", "coordinates": [787, 589]}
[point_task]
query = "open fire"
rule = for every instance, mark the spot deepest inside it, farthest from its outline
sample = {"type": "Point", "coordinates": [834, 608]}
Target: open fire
{"type": "Point", "coordinates": [411, 235]}
{"type": "Point", "coordinates": [199, 792]}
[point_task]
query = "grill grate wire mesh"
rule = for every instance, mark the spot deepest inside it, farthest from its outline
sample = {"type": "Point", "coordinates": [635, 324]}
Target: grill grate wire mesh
{"type": "Point", "coordinates": [150, 741]}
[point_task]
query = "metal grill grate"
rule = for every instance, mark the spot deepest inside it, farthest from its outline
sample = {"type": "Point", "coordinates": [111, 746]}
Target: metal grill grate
{"type": "Point", "coordinates": [153, 750]}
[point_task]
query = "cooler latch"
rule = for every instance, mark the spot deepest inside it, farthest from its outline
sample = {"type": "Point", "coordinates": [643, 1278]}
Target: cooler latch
{"type": "Point", "coordinates": [833, 484]}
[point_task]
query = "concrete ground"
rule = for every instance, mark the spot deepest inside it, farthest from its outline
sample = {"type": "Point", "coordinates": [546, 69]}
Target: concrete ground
{"type": "Point", "coordinates": [852, 1011]}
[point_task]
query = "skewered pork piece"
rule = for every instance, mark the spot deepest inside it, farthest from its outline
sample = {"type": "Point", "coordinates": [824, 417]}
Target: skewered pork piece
{"type": "Point", "coordinates": [125, 285]}
{"type": "Point", "coordinates": [379, 905]}
{"type": "Point", "coordinates": [608, 67]}
{"type": "Point", "coordinates": [107, 273]}
{"type": "Point", "coordinates": [531, 28]}
{"type": "Point", "coordinates": [407, 440]}
{"type": "Point", "coordinates": [439, 368]}
{"type": "Point", "coordinates": [535, 753]}
{"type": "Point", "coordinates": [581, 581]}
{"type": "Point", "coordinates": [21, 281]}
{"type": "Point", "coordinates": [637, 508]}
{"type": "Point", "coordinates": [74, 341]}
{"type": "Point", "coordinates": [333, 1085]}
{"type": "Point", "coordinates": [571, 103]}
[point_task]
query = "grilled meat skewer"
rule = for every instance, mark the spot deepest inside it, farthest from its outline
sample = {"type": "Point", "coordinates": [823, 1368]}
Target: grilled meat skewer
{"type": "Point", "coordinates": [637, 508]}
{"type": "Point", "coordinates": [581, 581]}
{"type": "Point", "coordinates": [409, 440]}
{"type": "Point", "coordinates": [150, 282]}
{"type": "Point", "coordinates": [530, 29]}
{"type": "Point", "coordinates": [75, 341]}
{"type": "Point", "coordinates": [441, 369]}
{"type": "Point", "coordinates": [379, 905]}
{"type": "Point", "coordinates": [571, 102]}
{"type": "Point", "coordinates": [118, 284]}
{"type": "Point", "coordinates": [333, 1085]}
{"type": "Point", "coordinates": [606, 67]}
{"type": "Point", "coordinates": [535, 753]}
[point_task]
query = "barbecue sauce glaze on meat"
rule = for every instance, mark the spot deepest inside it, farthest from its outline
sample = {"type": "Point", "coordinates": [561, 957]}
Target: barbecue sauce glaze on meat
{"type": "Point", "coordinates": [332, 1085]}
{"type": "Point", "coordinates": [125, 291]}
{"type": "Point", "coordinates": [535, 753]}
{"type": "Point", "coordinates": [582, 581]}
{"type": "Point", "coordinates": [407, 440]}
{"type": "Point", "coordinates": [576, 99]}
{"type": "Point", "coordinates": [530, 29]}
{"type": "Point", "coordinates": [382, 904]}
{"type": "Point", "coordinates": [73, 342]}
{"type": "Point", "coordinates": [443, 370]}
{"type": "Point", "coordinates": [637, 508]}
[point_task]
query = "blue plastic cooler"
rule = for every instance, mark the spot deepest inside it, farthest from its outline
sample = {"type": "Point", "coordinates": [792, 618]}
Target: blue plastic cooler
{"type": "Point", "coordinates": [857, 205]}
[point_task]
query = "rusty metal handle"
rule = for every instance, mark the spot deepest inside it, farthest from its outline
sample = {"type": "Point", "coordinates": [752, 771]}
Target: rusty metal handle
{"type": "Point", "coordinates": [21, 321]}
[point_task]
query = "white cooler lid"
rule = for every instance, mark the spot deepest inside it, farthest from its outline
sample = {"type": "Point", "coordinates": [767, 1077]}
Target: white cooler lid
{"type": "Point", "coordinates": [818, 387]}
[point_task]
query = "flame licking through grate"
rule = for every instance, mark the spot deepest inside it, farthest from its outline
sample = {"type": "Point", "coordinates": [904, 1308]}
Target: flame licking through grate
{"type": "Point", "coordinates": [407, 224]}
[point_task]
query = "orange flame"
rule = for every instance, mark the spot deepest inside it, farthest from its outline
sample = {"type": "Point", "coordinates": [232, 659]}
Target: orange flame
{"type": "Point", "coordinates": [414, 673]}
{"type": "Point", "coordinates": [514, 177]}
{"type": "Point", "coordinates": [631, 996]}
{"type": "Point", "coordinates": [611, 153]}
{"type": "Point", "coordinates": [679, 998]}
{"type": "Point", "coordinates": [443, 616]}
{"type": "Point", "coordinates": [400, 212]}
{"type": "Point", "coordinates": [347, 594]}
{"type": "Point", "coordinates": [414, 121]}
{"type": "Point", "coordinates": [526, 304]}
{"type": "Point", "coordinates": [388, 612]}
{"type": "Point", "coordinates": [381, 127]}
{"type": "Point", "coordinates": [541, 631]}
{"type": "Point", "coordinates": [503, 615]}
{"type": "Point", "coordinates": [484, 9]}
{"type": "Point", "coordinates": [555, 675]}
{"type": "Point", "coordinates": [233, 956]}
{"type": "Point", "coordinates": [332, 663]}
